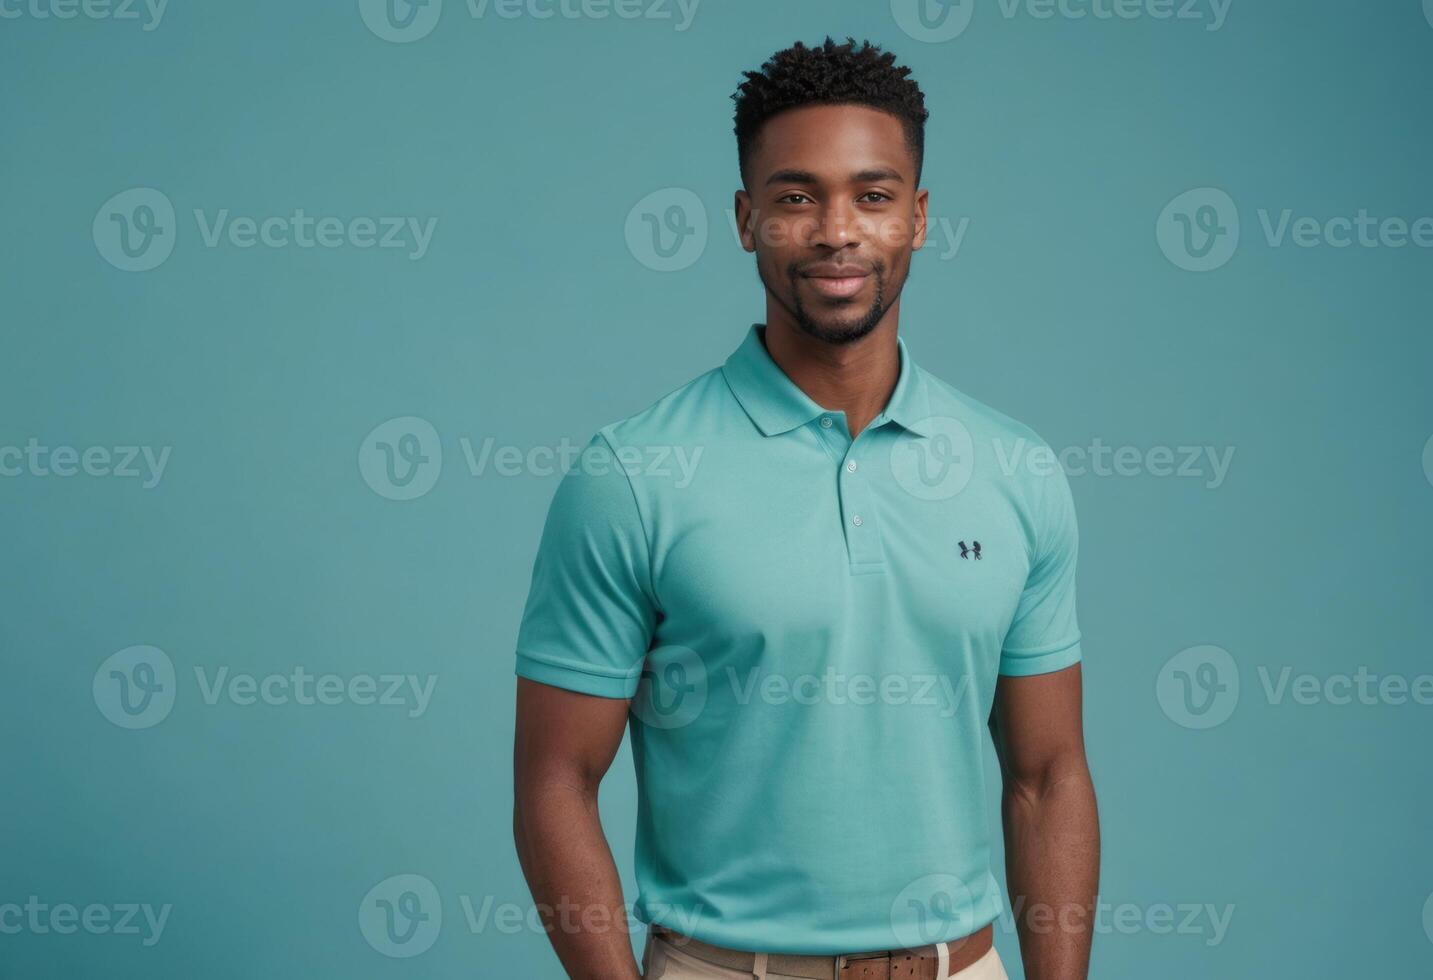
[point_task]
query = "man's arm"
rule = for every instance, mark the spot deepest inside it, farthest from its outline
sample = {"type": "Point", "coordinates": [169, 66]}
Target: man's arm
{"type": "Point", "coordinates": [563, 746]}
{"type": "Point", "coordinates": [1052, 832]}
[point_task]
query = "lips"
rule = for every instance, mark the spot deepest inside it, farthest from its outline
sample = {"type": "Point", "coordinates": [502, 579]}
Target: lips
{"type": "Point", "coordinates": [838, 288]}
{"type": "Point", "coordinates": [837, 281]}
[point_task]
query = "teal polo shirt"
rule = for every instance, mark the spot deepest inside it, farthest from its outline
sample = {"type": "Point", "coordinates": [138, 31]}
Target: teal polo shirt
{"type": "Point", "coordinates": [810, 628]}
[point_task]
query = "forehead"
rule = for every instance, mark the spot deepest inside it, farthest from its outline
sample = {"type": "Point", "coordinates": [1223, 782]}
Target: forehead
{"type": "Point", "coordinates": [831, 141]}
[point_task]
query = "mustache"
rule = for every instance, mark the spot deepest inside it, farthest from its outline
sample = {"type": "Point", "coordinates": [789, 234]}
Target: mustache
{"type": "Point", "coordinates": [796, 269]}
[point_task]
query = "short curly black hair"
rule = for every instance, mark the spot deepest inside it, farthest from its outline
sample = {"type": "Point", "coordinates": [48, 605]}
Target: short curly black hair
{"type": "Point", "coordinates": [829, 74]}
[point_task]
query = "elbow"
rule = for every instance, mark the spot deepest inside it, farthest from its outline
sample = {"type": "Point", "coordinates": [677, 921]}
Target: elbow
{"type": "Point", "coordinates": [519, 838]}
{"type": "Point", "coordinates": [1038, 782]}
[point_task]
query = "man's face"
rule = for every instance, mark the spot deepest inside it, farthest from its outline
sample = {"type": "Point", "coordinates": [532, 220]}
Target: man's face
{"type": "Point", "coordinates": [833, 214]}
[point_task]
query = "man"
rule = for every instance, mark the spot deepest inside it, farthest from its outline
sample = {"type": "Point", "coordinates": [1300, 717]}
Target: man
{"type": "Point", "coordinates": [812, 626]}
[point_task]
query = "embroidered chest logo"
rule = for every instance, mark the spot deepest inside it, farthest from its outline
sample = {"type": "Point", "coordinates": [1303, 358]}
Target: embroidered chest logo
{"type": "Point", "coordinates": [972, 552]}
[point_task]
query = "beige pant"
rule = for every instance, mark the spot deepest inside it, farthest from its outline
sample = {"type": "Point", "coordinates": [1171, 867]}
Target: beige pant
{"type": "Point", "coordinates": [663, 961]}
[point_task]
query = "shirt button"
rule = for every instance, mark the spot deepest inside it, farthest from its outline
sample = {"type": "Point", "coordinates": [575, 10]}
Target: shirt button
{"type": "Point", "coordinates": [851, 466]}
{"type": "Point", "coordinates": [856, 520]}
{"type": "Point", "coordinates": [825, 421]}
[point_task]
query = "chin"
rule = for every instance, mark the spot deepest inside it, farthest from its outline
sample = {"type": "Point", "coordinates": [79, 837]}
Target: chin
{"type": "Point", "coordinates": [841, 330]}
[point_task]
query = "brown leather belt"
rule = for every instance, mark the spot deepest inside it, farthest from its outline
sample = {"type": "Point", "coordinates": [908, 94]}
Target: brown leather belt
{"type": "Point", "coordinates": [920, 963]}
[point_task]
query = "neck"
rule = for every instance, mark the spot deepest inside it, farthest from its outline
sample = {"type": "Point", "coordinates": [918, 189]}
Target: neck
{"type": "Point", "coordinates": [855, 378]}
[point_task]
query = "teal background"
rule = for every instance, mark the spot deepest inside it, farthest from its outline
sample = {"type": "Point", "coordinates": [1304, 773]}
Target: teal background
{"type": "Point", "coordinates": [530, 321]}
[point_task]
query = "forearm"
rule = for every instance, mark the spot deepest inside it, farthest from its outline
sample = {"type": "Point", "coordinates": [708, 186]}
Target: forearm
{"type": "Point", "coordinates": [569, 869]}
{"type": "Point", "coordinates": [1052, 868]}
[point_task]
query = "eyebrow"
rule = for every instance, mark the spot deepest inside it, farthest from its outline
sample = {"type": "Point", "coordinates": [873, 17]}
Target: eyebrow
{"type": "Point", "coordinates": [859, 177]}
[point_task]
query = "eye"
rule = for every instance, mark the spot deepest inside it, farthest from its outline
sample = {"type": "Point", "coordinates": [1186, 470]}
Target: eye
{"type": "Point", "coordinates": [878, 195]}
{"type": "Point", "coordinates": [787, 198]}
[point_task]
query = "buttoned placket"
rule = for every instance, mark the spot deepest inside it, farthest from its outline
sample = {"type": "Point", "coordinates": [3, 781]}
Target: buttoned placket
{"type": "Point", "coordinates": [860, 522]}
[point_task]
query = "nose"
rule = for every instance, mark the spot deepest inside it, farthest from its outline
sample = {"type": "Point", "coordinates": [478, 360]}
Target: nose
{"type": "Point", "coordinates": [836, 226]}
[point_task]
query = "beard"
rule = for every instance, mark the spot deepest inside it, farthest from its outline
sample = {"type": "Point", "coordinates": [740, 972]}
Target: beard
{"type": "Point", "coordinates": [830, 330]}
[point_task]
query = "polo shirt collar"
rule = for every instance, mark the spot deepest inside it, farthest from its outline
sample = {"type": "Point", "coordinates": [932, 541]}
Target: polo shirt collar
{"type": "Point", "coordinates": [776, 405]}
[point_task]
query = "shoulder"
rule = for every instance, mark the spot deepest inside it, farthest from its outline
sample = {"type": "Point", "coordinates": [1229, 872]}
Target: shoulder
{"type": "Point", "coordinates": [609, 478]}
{"type": "Point", "coordinates": [682, 414]}
{"type": "Point", "coordinates": [984, 422]}
{"type": "Point", "coordinates": [1006, 451]}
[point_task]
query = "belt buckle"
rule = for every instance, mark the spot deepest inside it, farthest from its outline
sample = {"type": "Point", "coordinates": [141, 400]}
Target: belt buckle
{"type": "Point", "coordinates": [876, 967]}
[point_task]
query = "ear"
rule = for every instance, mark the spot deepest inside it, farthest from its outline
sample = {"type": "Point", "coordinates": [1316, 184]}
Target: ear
{"type": "Point", "coordinates": [921, 204]}
{"type": "Point", "coordinates": [746, 221]}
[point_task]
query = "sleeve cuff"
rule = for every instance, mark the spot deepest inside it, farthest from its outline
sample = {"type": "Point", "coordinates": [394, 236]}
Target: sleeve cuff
{"type": "Point", "coordinates": [1024, 663]}
{"type": "Point", "coordinates": [605, 682]}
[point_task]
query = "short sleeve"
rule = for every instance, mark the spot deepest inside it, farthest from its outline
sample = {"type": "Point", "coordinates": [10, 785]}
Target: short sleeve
{"type": "Point", "coordinates": [590, 608]}
{"type": "Point", "coordinates": [1044, 636]}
